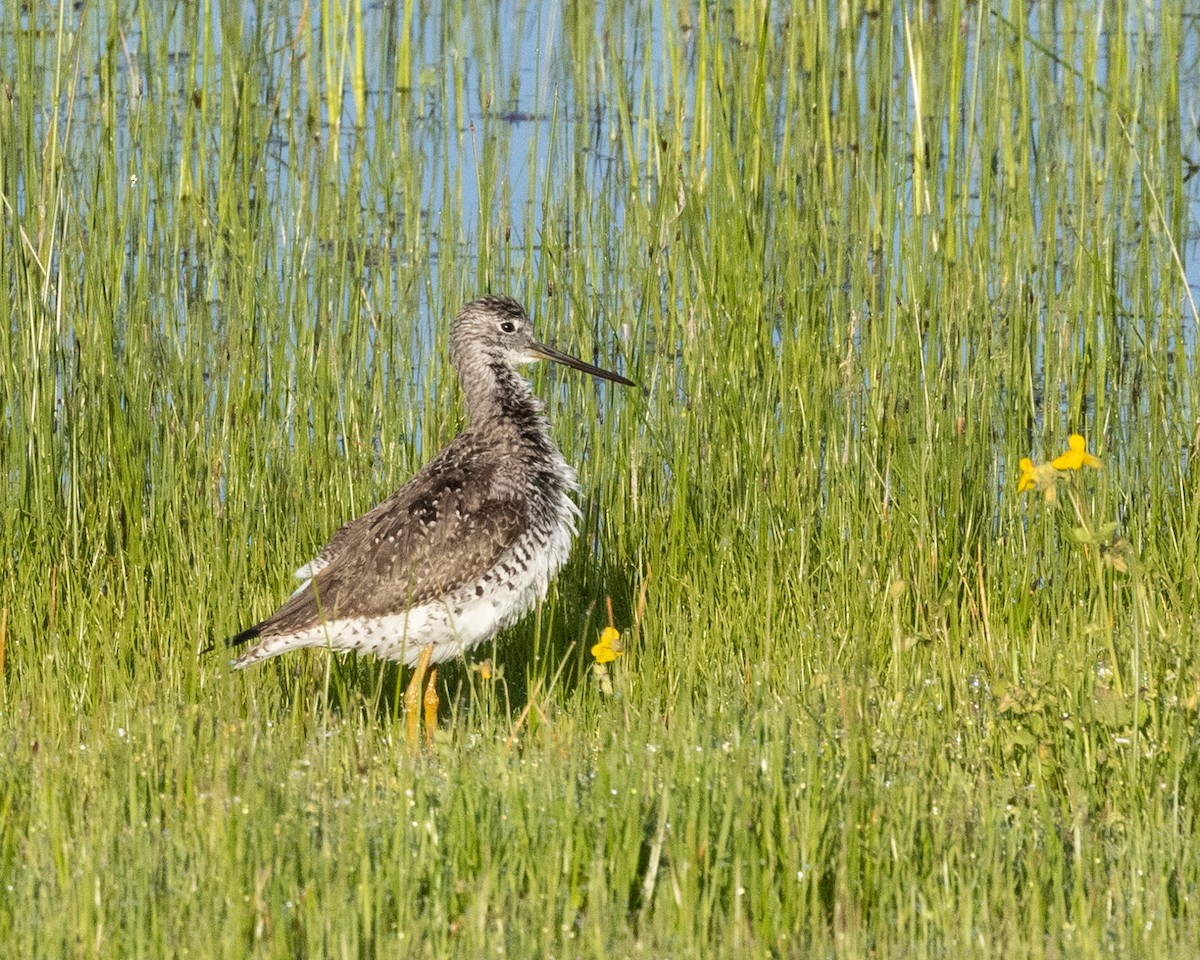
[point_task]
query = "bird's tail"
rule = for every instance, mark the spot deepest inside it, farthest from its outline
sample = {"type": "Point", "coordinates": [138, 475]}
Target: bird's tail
{"type": "Point", "coordinates": [235, 641]}
{"type": "Point", "coordinates": [250, 633]}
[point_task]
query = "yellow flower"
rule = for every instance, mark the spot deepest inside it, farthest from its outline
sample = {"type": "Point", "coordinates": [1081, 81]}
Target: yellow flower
{"type": "Point", "coordinates": [1039, 476]}
{"type": "Point", "coordinates": [1025, 481]}
{"type": "Point", "coordinates": [609, 647]}
{"type": "Point", "coordinates": [1077, 457]}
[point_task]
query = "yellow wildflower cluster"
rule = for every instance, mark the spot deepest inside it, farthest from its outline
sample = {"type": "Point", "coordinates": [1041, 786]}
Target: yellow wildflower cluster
{"type": "Point", "coordinates": [1043, 476]}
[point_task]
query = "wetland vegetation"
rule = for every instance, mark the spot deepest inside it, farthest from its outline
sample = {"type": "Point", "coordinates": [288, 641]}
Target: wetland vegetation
{"type": "Point", "coordinates": [864, 696]}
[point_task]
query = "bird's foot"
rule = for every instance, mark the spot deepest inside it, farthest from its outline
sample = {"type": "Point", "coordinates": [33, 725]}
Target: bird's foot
{"type": "Point", "coordinates": [431, 707]}
{"type": "Point", "coordinates": [413, 695]}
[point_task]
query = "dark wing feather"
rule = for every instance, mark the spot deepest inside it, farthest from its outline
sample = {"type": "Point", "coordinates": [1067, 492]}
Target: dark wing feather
{"type": "Point", "coordinates": [443, 528]}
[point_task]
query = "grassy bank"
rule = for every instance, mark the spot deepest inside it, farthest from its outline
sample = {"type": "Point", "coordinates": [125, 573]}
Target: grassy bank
{"type": "Point", "coordinates": [862, 260]}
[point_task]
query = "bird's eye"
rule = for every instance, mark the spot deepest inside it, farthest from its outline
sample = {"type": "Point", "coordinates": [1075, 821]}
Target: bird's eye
{"type": "Point", "coordinates": [508, 326]}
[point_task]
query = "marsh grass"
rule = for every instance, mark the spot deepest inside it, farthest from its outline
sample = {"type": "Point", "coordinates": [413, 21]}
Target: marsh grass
{"type": "Point", "coordinates": [861, 259]}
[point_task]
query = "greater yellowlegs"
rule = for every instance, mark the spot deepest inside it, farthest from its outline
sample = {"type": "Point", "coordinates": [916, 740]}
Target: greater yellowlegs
{"type": "Point", "coordinates": [466, 546]}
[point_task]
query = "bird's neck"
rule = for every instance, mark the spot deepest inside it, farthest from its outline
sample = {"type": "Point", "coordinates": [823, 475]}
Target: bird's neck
{"type": "Point", "coordinates": [503, 409]}
{"type": "Point", "coordinates": [498, 394]}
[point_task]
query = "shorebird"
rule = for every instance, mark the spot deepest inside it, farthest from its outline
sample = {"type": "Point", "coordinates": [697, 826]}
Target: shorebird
{"type": "Point", "coordinates": [464, 548]}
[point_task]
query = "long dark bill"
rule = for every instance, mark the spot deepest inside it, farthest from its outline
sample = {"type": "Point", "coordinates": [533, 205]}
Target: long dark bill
{"type": "Point", "coordinates": [549, 353]}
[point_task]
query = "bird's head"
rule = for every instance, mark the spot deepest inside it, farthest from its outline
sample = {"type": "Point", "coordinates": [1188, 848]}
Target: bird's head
{"type": "Point", "coordinates": [495, 328]}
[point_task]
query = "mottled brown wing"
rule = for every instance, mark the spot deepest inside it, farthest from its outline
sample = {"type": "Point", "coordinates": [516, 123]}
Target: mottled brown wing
{"type": "Point", "coordinates": [439, 531]}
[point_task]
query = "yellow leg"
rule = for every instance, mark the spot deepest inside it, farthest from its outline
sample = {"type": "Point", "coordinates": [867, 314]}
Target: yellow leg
{"type": "Point", "coordinates": [431, 706]}
{"type": "Point", "coordinates": [412, 695]}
